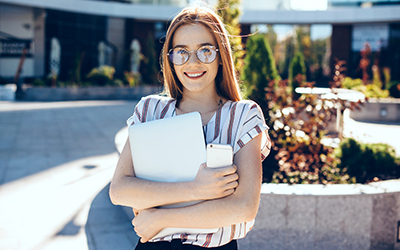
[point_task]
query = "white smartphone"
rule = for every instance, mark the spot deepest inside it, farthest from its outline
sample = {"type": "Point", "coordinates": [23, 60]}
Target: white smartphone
{"type": "Point", "coordinates": [219, 155]}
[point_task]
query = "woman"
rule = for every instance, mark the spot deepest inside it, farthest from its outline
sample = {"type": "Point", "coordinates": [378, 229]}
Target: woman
{"type": "Point", "coordinates": [199, 76]}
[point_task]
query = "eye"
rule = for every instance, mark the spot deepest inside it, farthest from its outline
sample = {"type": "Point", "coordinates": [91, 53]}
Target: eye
{"type": "Point", "coordinates": [180, 51]}
{"type": "Point", "coordinates": [205, 49]}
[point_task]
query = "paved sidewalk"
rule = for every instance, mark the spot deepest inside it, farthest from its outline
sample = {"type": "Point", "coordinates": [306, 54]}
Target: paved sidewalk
{"type": "Point", "coordinates": [56, 161]}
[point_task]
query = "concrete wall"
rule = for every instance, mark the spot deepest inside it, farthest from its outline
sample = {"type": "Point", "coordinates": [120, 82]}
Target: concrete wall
{"type": "Point", "coordinates": [382, 110]}
{"type": "Point", "coordinates": [326, 219]}
{"type": "Point", "coordinates": [7, 92]}
{"type": "Point", "coordinates": [91, 93]}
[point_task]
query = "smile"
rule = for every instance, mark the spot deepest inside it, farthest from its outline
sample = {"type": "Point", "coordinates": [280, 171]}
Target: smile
{"type": "Point", "coordinates": [195, 74]}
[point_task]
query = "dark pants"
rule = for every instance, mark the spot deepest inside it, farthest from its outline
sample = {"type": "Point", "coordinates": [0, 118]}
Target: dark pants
{"type": "Point", "coordinates": [177, 245]}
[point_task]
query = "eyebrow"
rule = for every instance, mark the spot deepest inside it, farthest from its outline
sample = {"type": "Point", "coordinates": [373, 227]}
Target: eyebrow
{"type": "Point", "coordinates": [199, 45]}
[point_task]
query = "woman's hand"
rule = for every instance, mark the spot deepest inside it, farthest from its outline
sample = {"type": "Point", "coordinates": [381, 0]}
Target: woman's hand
{"type": "Point", "coordinates": [147, 224]}
{"type": "Point", "coordinates": [214, 183]}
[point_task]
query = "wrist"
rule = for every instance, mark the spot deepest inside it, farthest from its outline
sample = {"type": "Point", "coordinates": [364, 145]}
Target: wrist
{"type": "Point", "coordinates": [192, 191]}
{"type": "Point", "coordinates": [162, 217]}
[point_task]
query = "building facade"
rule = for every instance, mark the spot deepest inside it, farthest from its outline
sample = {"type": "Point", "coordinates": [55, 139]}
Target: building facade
{"type": "Point", "coordinates": [92, 33]}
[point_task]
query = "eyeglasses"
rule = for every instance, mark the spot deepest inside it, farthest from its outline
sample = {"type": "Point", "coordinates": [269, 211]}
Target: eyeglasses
{"type": "Point", "coordinates": [205, 54]}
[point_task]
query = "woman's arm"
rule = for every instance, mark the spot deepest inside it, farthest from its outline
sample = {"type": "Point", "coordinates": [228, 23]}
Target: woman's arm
{"type": "Point", "coordinates": [127, 190]}
{"type": "Point", "coordinates": [239, 207]}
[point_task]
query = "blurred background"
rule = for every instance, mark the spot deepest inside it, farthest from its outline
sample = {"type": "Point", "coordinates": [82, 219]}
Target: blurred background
{"type": "Point", "coordinates": [325, 72]}
{"type": "Point", "coordinates": [90, 34]}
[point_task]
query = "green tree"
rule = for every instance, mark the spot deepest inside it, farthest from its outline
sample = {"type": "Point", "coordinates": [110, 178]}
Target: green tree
{"type": "Point", "coordinates": [289, 49]}
{"type": "Point", "coordinates": [317, 58]}
{"type": "Point", "coordinates": [297, 66]}
{"type": "Point", "coordinates": [258, 72]}
{"type": "Point", "coordinates": [272, 37]}
{"type": "Point", "coordinates": [259, 69]}
{"type": "Point", "coordinates": [304, 41]}
{"type": "Point", "coordinates": [230, 12]}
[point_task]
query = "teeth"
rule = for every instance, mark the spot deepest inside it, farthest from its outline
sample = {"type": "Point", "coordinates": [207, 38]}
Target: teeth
{"type": "Point", "coordinates": [194, 75]}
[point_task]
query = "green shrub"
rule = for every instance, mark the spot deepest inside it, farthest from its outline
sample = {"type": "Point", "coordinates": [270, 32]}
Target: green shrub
{"type": "Point", "coordinates": [298, 125]}
{"type": "Point", "coordinates": [373, 89]}
{"type": "Point", "coordinates": [38, 82]}
{"type": "Point", "coordinates": [83, 84]}
{"type": "Point", "coordinates": [101, 76]}
{"type": "Point", "coordinates": [118, 83]}
{"type": "Point", "coordinates": [394, 89]}
{"type": "Point", "coordinates": [350, 83]}
{"type": "Point", "coordinates": [297, 128]}
{"type": "Point", "coordinates": [132, 79]}
{"type": "Point", "coordinates": [365, 161]}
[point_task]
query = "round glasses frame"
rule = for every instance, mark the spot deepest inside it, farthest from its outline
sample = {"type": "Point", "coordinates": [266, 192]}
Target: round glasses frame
{"type": "Point", "coordinates": [213, 49]}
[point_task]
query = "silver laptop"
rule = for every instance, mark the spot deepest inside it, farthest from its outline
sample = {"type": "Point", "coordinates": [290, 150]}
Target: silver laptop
{"type": "Point", "coordinates": [169, 150]}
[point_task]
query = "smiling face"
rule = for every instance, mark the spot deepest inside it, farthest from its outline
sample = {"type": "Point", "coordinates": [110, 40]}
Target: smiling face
{"type": "Point", "coordinates": [195, 76]}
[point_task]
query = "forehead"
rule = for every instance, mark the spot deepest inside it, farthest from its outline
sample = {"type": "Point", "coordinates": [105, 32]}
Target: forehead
{"type": "Point", "coordinates": [192, 35]}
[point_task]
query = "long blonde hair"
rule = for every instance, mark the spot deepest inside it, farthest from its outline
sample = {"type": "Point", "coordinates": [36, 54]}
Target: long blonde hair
{"type": "Point", "coordinates": [226, 82]}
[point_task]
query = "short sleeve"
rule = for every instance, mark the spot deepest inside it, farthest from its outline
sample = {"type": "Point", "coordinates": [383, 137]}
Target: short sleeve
{"type": "Point", "coordinates": [151, 108]}
{"type": "Point", "coordinates": [139, 112]}
{"type": "Point", "coordinates": [252, 125]}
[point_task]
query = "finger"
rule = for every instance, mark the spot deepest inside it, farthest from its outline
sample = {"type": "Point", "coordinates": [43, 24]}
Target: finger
{"type": "Point", "coordinates": [235, 168]}
{"type": "Point", "coordinates": [232, 185]}
{"type": "Point", "coordinates": [143, 240]}
{"type": "Point", "coordinates": [228, 170]}
{"type": "Point", "coordinates": [228, 192]}
{"type": "Point", "coordinates": [231, 169]}
{"type": "Point", "coordinates": [232, 177]}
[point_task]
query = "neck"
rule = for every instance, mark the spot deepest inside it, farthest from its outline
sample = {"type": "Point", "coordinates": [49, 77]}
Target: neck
{"type": "Point", "coordinates": [201, 102]}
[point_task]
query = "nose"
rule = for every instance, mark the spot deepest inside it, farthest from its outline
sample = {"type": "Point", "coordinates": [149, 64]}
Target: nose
{"type": "Point", "coordinates": [193, 58]}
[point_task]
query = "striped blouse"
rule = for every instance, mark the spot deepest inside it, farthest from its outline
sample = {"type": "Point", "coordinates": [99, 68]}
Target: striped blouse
{"type": "Point", "coordinates": [234, 123]}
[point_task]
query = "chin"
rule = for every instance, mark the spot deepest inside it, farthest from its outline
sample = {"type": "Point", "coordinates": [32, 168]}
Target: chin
{"type": "Point", "coordinates": [196, 88]}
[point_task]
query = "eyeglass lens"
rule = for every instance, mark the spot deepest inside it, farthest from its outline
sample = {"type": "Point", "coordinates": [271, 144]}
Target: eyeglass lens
{"type": "Point", "coordinates": [206, 54]}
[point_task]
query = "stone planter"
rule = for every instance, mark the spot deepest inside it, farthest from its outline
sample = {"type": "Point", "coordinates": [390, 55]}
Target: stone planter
{"type": "Point", "coordinates": [7, 92]}
{"type": "Point", "coordinates": [327, 217]}
{"type": "Point", "coordinates": [382, 109]}
{"type": "Point", "coordinates": [88, 93]}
